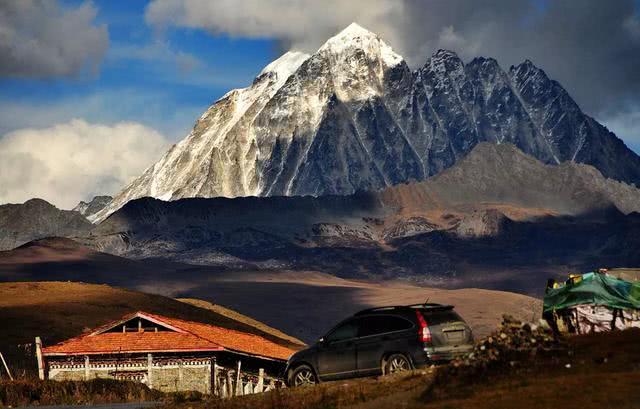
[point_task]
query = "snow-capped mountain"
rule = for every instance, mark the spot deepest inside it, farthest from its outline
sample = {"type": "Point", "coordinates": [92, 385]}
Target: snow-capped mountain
{"type": "Point", "coordinates": [353, 116]}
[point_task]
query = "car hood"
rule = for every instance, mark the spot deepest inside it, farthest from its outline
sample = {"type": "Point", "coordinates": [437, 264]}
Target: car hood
{"type": "Point", "coordinates": [303, 353]}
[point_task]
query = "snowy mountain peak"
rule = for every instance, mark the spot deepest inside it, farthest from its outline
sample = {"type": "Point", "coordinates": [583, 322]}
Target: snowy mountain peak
{"type": "Point", "coordinates": [490, 63]}
{"type": "Point", "coordinates": [286, 65]}
{"type": "Point", "coordinates": [352, 31]}
{"type": "Point", "coordinates": [444, 60]}
{"type": "Point", "coordinates": [526, 68]}
{"type": "Point", "coordinates": [355, 37]}
{"type": "Point", "coordinates": [353, 116]}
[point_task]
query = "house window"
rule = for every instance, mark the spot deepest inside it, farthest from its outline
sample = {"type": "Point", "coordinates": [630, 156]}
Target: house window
{"type": "Point", "coordinates": [139, 325]}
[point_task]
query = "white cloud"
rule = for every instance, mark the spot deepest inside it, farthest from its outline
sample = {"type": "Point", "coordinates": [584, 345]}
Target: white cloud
{"type": "Point", "coordinates": [39, 38]}
{"type": "Point", "coordinates": [153, 108]}
{"type": "Point", "coordinates": [74, 161]}
{"type": "Point", "coordinates": [302, 25]}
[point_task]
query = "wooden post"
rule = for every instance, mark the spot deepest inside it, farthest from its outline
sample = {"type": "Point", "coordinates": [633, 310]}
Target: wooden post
{"type": "Point", "coordinates": [223, 388]}
{"type": "Point", "coordinates": [229, 384]}
{"type": "Point", "coordinates": [6, 367]}
{"type": "Point", "coordinates": [39, 358]}
{"type": "Point", "coordinates": [247, 389]}
{"type": "Point", "coordinates": [87, 373]}
{"type": "Point", "coordinates": [149, 371]}
{"type": "Point", "coordinates": [260, 386]}
{"type": "Point", "coordinates": [214, 376]}
{"type": "Point", "coordinates": [238, 381]}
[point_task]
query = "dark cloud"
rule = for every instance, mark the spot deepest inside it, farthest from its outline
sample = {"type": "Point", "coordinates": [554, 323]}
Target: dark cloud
{"type": "Point", "coordinates": [39, 38]}
{"type": "Point", "coordinates": [589, 46]}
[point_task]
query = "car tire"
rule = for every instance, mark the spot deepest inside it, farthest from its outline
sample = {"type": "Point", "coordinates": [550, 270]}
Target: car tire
{"type": "Point", "coordinates": [396, 363]}
{"type": "Point", "coordinates": [303, 375]}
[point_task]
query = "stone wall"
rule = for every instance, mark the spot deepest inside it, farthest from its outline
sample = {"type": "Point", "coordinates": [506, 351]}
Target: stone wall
{"type": "Point", "coordinates": [164, 374]}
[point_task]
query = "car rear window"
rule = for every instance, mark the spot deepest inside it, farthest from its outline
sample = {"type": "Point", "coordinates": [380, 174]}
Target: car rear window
{"type": "Point", "coordinates": [440, 317]}
{"type": "Point", "coordinates": [381, 324]}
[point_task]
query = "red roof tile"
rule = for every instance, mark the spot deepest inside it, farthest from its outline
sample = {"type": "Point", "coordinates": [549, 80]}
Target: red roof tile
{"type": "Point", "coordinates": [193, 336]}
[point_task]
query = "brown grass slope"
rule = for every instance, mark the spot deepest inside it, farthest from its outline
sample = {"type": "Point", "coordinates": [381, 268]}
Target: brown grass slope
{"type": "Point", "coordinates": [59, 310]}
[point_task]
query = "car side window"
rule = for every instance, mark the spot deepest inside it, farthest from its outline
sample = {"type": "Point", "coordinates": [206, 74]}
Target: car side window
{"type": "Point", "coordinates": [382, 324]}
{"type": "Point", "coordinates": [347, 330]}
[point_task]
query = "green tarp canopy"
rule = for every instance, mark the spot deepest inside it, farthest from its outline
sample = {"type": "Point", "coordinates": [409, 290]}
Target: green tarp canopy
{"type": "Point", "coordinates": [594, 289]}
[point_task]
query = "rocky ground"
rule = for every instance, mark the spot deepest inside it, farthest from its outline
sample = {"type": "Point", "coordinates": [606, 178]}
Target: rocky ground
{"type": "Point", "coordinates": [520, 365]}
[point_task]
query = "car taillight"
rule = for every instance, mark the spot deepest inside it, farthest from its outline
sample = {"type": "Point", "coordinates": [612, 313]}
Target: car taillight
{"type": "Point", "coordinates": [424, 332]}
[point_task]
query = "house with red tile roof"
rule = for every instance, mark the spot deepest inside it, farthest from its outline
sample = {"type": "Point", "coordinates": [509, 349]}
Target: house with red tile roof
{"type": "Point", "coordinates": [167, 354]}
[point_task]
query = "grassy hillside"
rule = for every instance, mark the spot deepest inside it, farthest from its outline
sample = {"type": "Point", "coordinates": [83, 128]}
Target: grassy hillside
{"type": "Point", "coordinates": [59, 310]}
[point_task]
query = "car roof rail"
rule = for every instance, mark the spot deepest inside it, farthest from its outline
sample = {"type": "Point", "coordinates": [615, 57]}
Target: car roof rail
{"type": "Point", "coordinates": [430, 306]}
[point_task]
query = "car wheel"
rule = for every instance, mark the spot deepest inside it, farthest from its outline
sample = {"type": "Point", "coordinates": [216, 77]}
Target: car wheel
{"type": "Point", "coordinates": [397, 363]}
{"type": "Point", "coordinates": [302, 376]}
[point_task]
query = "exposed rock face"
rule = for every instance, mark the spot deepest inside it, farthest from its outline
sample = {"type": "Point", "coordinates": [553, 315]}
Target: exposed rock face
{"type": "Point", "coordinates": [35, 219]}
{"type": "Point", "coordinates": [94, 206]}
{"type": "Point", "coordinates": [353, 116]}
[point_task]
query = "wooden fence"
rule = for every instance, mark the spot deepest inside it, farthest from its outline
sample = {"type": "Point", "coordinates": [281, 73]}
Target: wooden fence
{"type": "Point", "coordinates": [229, 382]}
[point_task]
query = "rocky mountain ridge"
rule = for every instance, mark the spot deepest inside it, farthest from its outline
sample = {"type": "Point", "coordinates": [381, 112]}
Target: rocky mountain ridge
{"type": "Point", "coordinates": [35, 219]}
{"type": "Point", "coordinates": [496, 219]}
{"type": "Point", "coordinates": [93, 206]}
{"type": "Point", "coordinates": [495, 209]}
{"type": "Point", "coordinates": [353, 116]}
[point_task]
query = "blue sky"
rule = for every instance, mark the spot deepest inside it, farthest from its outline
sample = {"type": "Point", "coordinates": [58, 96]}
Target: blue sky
{"type": "Point", "coordinates": [161, 79]}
